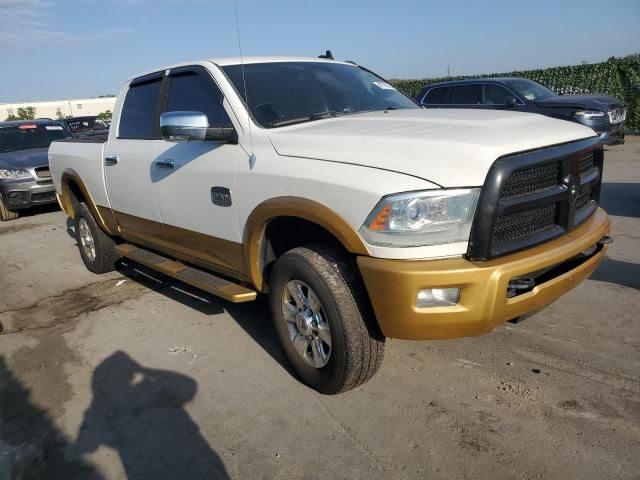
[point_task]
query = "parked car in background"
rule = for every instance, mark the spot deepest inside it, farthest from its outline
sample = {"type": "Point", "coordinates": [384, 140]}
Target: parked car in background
{"type": "Point", "coordinates": [603, 113]}
{"type": "Point", "coordinates": [86, 126]}
{"type": "Point", "coordinates": [25, 180]}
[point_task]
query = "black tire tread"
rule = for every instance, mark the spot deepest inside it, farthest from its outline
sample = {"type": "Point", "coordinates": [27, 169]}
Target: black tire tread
{"type": "Point", "coordinates": [106, 255]}
{"type": "Point", "coordinates": [6, 214]}
{"type": "Point", "coordinates": [365, 352]}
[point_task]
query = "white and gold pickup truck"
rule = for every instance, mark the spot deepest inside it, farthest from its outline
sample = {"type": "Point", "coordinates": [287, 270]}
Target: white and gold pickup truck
{"type": "Point", "coordinates": [360, 214]}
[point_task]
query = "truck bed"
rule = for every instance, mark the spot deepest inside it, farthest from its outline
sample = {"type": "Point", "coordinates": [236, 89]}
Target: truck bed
{"type": "Point", "coordinates": [81, 159]}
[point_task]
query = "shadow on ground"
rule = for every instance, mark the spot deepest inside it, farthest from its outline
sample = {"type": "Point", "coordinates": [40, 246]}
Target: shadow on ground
{"type": "Point", "coordinates": [252, 317]}
{"type": "Point", "coordinates": [136, 411]}
{"type": "Point", "coordinates": [621, 199]}
{"type": "Point", "coordinates": [621, 273]}
{"type": "Point", "coordinates": [31, 447]}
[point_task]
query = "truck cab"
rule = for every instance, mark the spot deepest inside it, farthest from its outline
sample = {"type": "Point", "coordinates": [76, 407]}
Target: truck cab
{"type": "Point", "coordinates": [361, 215]}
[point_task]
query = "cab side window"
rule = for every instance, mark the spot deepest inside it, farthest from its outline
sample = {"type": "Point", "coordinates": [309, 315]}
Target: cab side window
{"type": "Point", "coordinates": [190, 92]}
{"type": "Point", "coordinates": [467, 95]}
{"type": "Point", "coordinates": [437, 96]}
{"type": "Point", "coordinates": [138, 117]}
{"type": "Point", "coordinates": [496, 95]}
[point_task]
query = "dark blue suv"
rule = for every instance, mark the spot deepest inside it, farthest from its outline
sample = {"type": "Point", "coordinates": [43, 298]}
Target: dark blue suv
{"type": "Point", "coordinates": [603, 113]}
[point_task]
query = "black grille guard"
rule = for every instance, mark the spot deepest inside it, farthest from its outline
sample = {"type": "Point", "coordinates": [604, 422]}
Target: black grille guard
{"type": "Point", "coordinates": [491, 203]}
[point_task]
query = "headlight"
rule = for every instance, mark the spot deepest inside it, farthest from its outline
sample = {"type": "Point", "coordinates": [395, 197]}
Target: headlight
{"type": "Point", "coordinates": [13, 174]}
{"type": "Point", "coordinates": [415, 219]}
{"type": "Point", "coordinates": [590, 114]}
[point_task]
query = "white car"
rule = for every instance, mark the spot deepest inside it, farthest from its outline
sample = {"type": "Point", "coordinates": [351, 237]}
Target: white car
{"type": "Point", "coordinates": [360, 214]}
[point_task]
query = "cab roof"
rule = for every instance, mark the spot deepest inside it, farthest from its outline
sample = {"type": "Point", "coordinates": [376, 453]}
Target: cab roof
{"type": "Point", "coordinates": [227, 61]}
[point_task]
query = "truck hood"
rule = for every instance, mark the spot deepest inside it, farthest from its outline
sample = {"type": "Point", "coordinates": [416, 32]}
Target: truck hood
{"type": "Point", "coordinates": [449, 147]}
{"type": "Point", "coordinates": [33, 157]}
{"type": "Point", "coordinates": [603, 103]}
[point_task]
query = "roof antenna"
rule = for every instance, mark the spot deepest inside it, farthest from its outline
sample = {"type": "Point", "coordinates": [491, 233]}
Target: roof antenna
{"type": "Point", "coordinates": [328, 55]}
{"type": "Point", "coordinates": [252, 157]}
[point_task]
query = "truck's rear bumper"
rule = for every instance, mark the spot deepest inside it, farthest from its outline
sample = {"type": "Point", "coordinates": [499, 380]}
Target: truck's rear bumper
{"type": "Point", "coordinates": [393, 285]}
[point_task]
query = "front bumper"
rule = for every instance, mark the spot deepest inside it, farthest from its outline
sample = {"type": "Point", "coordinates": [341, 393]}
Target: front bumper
{"type": "Point", "coordinates": [393, 285]}
{"type": "Point", "coordinates": [25, 193]}
{"type": "Point", "coordinates": [612, 137]}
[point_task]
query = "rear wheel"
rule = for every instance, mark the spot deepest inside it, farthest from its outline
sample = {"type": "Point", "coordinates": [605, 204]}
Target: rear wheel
{"type": "Point", "coordinates": [324, 320]}
{"type": "Point", "coordinates": [97, 249]}
{"type": "Point", "coordinates": [6, 214]}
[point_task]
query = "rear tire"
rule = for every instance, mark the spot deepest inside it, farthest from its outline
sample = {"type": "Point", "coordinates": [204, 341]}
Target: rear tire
{"type": "Point", "coordinates": [97, 249]}
{"type": "Point", "coordinates": [6, 214]}
{"type": "Point", "coordinates": [329, 333]}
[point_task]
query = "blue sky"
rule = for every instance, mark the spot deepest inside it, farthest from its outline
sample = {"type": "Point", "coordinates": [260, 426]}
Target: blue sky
{"type": "Point", "coordinates": [53, 49]}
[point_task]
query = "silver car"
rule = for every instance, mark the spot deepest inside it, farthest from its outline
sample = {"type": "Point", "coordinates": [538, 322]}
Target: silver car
{"type": "Point", "coordinates": [25, 180]}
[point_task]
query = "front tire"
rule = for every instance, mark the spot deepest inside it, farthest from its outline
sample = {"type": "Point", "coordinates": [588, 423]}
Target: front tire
{"type": "Point", "coordinates": [97, 249]}
{"type": "Point", "coordinates": [6, 214]}
{"type": "Point", "coordinates": [324, 320]}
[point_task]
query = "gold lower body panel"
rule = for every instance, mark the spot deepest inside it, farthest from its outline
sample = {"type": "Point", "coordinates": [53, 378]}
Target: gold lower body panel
{"type": "Point", "coordinates": [217, 254]}
{"type": "Point", "coordinates": [393, 286]}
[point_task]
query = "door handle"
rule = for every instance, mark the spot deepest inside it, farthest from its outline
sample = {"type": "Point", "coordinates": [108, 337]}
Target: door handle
{"type": "Point", "coordinates": [111, 160]}
{"type": "Point", "coordinates": [166, 164]}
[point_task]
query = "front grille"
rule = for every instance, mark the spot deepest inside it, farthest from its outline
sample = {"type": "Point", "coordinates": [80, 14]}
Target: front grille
{"type": "Point", "coordinates": [517, 226]}
{"type": "Point", "coordinates": [531, 180]}
{"type": "Point", "coordinates": [535, 196]}
{"type": "Point", "coordinates": [584, 197]}
{"type": "Point", "coordinates": [43, 172]}
{"type": "Point", "coordinates": [586, 164]}
{"type": "Point", "coordinates": [43, 196]}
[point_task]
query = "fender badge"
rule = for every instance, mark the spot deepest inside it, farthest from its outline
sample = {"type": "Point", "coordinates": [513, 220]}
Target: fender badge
{"type": "Point", "coordinates": [221, 196]}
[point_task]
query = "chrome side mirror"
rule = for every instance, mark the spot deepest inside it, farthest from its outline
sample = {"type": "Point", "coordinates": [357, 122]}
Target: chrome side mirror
{"type": "Point", "coordinates": [183, 126]}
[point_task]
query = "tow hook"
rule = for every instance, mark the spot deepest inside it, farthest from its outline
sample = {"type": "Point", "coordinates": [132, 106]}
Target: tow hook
{"type": "Point", "coordinates": [606, 240]}
{"type": "Point", "coordinates": [520, 285]}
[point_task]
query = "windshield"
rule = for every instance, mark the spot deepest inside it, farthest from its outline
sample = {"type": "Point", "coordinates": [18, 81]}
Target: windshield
{"type": "Point", "coordinates": [284, 93]}
{"type": "Point", "coordinates": [83, 124]}
{"type": "Point", "coordinates": [530, 90]}
{"type": "Point", "coordinates": [30, 135]}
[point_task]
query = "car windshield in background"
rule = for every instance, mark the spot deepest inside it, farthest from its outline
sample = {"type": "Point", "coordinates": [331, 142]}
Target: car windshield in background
{"type": "Point", "coordinates": [30, 135]}
{"type": "Point", "coordinates": [285, 93]}
{"type": "Point", "coordinates": [530, 90]}
{"type": "Point", "coordinates": [85, 124]}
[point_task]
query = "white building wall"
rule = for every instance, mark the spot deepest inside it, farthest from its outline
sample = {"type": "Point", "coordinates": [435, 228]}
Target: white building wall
{"type": "Point", "coordinates": [61, 108]}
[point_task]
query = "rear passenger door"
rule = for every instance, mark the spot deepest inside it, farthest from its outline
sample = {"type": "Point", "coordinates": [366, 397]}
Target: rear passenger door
{"type": "Point", "coordinates": [196, 222]}
{"type": "Point", "coordinates": [129, 155]}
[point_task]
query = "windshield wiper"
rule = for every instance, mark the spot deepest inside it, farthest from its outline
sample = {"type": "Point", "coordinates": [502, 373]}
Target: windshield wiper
{"type": "Point", "coordinates": [313, 116]}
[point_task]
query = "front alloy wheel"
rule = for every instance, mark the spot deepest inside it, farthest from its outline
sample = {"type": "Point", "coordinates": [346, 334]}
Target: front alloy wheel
{"type": "Point", "coordinates": [306, 323]}
{"type": "Point", "coordinates": [323, 319]}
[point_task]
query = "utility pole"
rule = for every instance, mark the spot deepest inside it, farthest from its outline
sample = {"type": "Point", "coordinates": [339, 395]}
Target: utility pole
{"type": "Point", "coordinates": [448, 75]}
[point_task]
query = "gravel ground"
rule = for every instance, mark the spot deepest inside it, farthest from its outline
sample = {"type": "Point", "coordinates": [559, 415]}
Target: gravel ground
{"type": "Point", "coordinates": [131, 375]}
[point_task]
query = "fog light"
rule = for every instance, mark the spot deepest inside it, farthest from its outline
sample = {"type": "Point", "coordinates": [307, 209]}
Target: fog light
{"type": "Point", "coordinates": [437, 297]}
{"type": "Point", "coordinates": [16, 195]}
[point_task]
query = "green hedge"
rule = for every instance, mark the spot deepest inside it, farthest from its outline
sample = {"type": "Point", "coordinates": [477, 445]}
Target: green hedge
{"type": "Point", "coordinates": [619, 77]}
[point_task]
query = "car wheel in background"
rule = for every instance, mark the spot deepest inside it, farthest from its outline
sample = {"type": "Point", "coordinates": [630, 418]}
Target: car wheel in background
{"type": "Point", "coordinates": [97, 249]}
{"type": "Point", "coordinates": [6, 214]}
{"type": "Point", "coordinates": [324, 320]}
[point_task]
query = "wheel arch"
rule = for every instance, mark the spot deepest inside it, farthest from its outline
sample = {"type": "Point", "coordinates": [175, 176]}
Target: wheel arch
{"type": "Point", "coordinates": [74, 190]}
{"type": "Point", "coordinates": [318, 218]}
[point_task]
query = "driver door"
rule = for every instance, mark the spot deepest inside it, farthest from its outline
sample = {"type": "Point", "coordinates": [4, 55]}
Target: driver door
{"type": "Point", "coordinates": [187, 178]}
